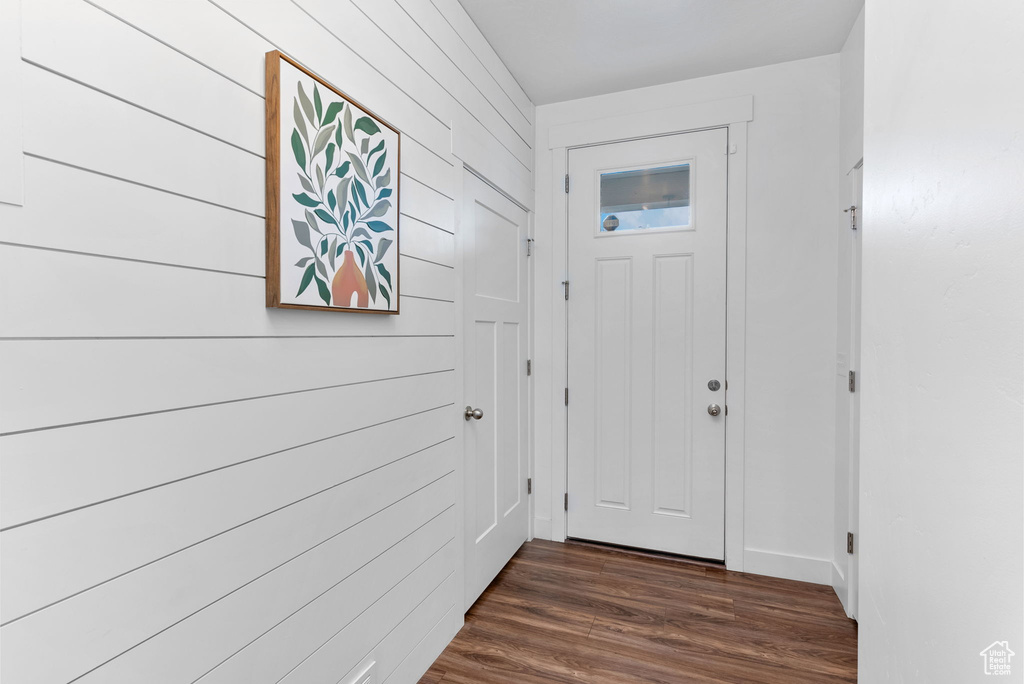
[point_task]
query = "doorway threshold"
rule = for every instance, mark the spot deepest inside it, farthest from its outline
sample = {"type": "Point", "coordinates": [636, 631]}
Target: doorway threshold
{"type": "Point", "coordinates": [646, 553]}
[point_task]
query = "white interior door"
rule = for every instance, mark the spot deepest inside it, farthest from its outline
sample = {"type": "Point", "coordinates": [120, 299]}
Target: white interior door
{"type": "Point", "coordinates": [493, 232]}
{"type": "Point", "coordinates": [854, 489]}
{"type": "Point", "coordinates": [646, 311]}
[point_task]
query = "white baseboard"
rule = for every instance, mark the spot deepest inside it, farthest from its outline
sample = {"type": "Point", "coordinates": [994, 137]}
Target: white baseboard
{"type": "Point", "coordinates": [542, 528]}
{"type": "Point", "coordinates": [800, 568]}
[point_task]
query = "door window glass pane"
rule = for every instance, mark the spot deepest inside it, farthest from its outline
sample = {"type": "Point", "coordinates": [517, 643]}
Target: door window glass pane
{"type": "Point", "coordinates": [645, 198]}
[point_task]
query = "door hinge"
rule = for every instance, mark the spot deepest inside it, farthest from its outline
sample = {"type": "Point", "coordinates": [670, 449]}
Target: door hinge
{"type": "Point", "coordinates": [529, 485]}
{"type": "Point", "coordinates": [566, 396]}
{"type": "Point", "coordinates": [566, 505]}
{"type": "Point", "coordinates": [529, 366]}
{"type": "Point", "coordinates": [565, 286]}
{"type": "Point", "coordinates": [852, 211]}
{"type": "Point", "coordinates": [849, 542]}
{"type": "Point", "coordinates": [853, 381]}
{"type": "Point", "coordinates": [529, 246]}
{"type": "Point", "coordinates": [567, 184]}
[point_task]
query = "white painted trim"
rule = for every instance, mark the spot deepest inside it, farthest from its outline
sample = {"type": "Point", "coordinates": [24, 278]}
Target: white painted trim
{"type": "Point", "coordinates": [736, 348]}
{"type": "Point", "coordinates": [541, 528]}
{"type": "Point", "coordinates": [12, 165]}
{"type": "Point", "coordinates": [800, 568]}
{"type": "Point", "coordinates": [735, 113]}
{"type": "Point", "coordinates": [658, 122]}
{"type": "Point", "coordinates": [459, 171]}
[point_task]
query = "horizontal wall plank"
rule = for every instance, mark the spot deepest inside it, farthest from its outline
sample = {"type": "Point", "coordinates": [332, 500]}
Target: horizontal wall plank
{"type": "Point", "coordinates": [426, 242]}
{"type": "Point", "coordinates": [426, 204]}
{"type": "Point", "coordinates": [53, 471]}
{"type": "Point", "coordinates": [391, 650]}
{"type": "Point", "coordinates": [51, 383]}
{"type": "Point", "coordinates": [109, 136]}
{"type": "Point", "coordinates": [428, 168]}
{"type": "Point", "coordinates": [269, 658]}
{"type": "Point", "coordinates": [431, 646]}
{"type": "Point", "coordinates": [29, 588]}
{"type": "Point", "coordinates": [372, 42]}
{"type": "Point", "coordinates": [85, 296]}
{"type": "Point", "coordinates": [121, 219]}
{"type": "Point", "coordinates": [348, 646]}
{"type": "Point", "coordinates": [470, 33]}
{"type": "Point", "coordinates": [436, 25]}
{"type": "Point", "coordinates": [89, 45]}
{"type": "Point", "coordinates": [266, 487]}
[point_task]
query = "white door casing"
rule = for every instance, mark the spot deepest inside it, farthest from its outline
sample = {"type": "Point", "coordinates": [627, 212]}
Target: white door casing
{"type": "Point", "coordinates": [646, 334]}
{"type": "Point", "coordinates": [493, 232]}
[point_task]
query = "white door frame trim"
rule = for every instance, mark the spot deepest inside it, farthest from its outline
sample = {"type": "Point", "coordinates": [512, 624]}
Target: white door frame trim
{"type": "Point", "coordinates": [734, 114]}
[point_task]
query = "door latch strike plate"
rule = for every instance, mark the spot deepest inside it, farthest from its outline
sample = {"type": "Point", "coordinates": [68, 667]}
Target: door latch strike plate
{"type": "Point", "coordinates": [529, 367]}
{"type": "Point", "coordinates": [567, 501]}
{"type": "Point", "coordinates": [566, 396]}
{"type": "Point", "coordinates": [529, 485]}
{"type": "Point", "coordinates": [849, 542]}
{"type": "Point", "coordinates": [565, 285]}
{"type": "Point", "coordinates": [853, 381]}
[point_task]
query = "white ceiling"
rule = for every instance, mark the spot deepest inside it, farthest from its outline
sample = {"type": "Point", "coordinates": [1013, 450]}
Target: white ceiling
{"type": "Point", "coordinates": [565, 49]}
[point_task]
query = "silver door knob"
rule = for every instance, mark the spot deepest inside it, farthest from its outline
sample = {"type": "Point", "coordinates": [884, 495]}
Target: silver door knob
{"type": "Point", "coordinates": [714, 409]}
{"type": "Point", "coordinates": [473, 413]}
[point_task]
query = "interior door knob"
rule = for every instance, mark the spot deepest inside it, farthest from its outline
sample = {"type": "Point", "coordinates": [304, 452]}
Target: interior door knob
{"type": "Point", "coordinates": [713, 409]}
{"type": "Point", "coordinates": [473, 413]}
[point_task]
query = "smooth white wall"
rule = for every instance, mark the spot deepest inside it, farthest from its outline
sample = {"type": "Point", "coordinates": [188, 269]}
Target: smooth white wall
{"type": "Point", "coordinates": [942, 439]}
{"type": "Point", "coordinates": [193, 486]}
{"type": "Point", "coordinates": [851, 150]}
{"type": "Point", "coordinates": [791, 302]}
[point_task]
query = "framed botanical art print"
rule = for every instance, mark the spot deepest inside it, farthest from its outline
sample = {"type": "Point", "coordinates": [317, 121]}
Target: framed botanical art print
{"type": "Point", "coordinates": [332, 197]}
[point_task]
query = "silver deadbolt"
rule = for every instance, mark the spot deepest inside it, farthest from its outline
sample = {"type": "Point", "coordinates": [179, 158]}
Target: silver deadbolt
{"type": "Point", "coordinates": [713, 409]}
{"type": "Point", "coordinates": [473, 413]}
{"type": "Point", "coordinates": [714, 385]}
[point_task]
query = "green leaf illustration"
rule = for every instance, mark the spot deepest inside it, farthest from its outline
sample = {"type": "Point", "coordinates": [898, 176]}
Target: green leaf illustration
{"type": "Point", "coordinates": [384, 292]}
{"type": "Point", "coordinates": [369, 246]}
{"type": "Point", "coordinates": [325, 292]}
{"type": "Point", "coordinates": [379, 209]}
{"type": "Point", "coordinates": [367, 125]}
{"type": "Point", "coordinates": [346, 218]}
{"type": "Point", "coordinates": [305, 200]}
{"type": "Point", "coordinates": [375, 150]}
{"type": "Point", "coordinates": [361, 194]}
{"type": "Point", "coordinates": [306, 278]}
{"type": "Point", "coordinates": [324, 216]}
{"type": "Point", "coordinates": [331, 202]}
{"type": "Point", "coordinates": [303, 261]}
{"type": "Point", "coordinates": [301, 233]}
{"type": "Point", "coordinates": [300, 121]}
{"type": "Point", "coordinates": [378, 226]}
{"type": "Point", "coordinates": [357, 164]}
{"type": "Point", "coordinates": [312, 222]}
{"type": "Point", "coordinates": [320, 268]}
{"type": "Point", "coordinates": [330, 155]}
{"type": "Point", "coordinates": [342, 194]}
{"type": "Point", "coordinates": [298, 149]}
{"type": "Point", "coordinates": [322, 139]}
{"type": "Point", "coordinates": [384, 272]}
{"type": "Point", "coordinates": [364, 146]}
{"type": "Point", "coordinates": [380, 164]}
{"type": "Point", "coordinates": [383, 181]}
{"type": "Point", "coordinates": [307, 106]}
{"type": "Point", "coordinates": [324, 244]}
{"type": "Point", "coordinates": [319, 176]}
{"type": "Point", "coordinates": [330, 253]}
{"type": "Point", "coordinates": [371, 282]}
{"type": "Point", "coordinates": [383, 246]}
{"type": "Point", "coordinates": [360, 232]}
{"type": "Point", "coordinates": [386, 192]}
{"type": "Point", "coordinates": [332, 112]}
{"type": "Point", "coordinates": [306, 185]}
{"type": "Point", "coordinates": [342, 170]}
{"type": "Point", "coordinates": [341, 248]}
{"type": "Point", "coordinates": [317, 104]}
{"type": "Point", "coordinates": [348, 126]}
{"type": "Point", "coordinates": [362, 256]}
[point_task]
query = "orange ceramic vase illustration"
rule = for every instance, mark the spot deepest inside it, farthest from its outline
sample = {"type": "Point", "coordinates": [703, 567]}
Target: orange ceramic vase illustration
{"type": "Point", "coordinates": [347, 280]}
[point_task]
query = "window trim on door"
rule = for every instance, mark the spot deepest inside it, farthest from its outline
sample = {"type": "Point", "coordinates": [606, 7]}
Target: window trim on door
{"type": "Point", "coordinates": [733, 114]}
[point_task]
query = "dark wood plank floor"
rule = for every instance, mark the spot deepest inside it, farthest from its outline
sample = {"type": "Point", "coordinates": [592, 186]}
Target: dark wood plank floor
{"type": "Point", "coordinates": [578, 613]}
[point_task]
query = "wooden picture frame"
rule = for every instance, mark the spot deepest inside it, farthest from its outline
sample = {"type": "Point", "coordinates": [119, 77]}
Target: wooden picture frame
{"type": "Point", "coordinates": [333, 188]}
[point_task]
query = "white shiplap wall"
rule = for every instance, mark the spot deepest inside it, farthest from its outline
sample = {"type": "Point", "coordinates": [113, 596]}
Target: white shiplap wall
{"type": "Point", "coordinates": [194, 487]}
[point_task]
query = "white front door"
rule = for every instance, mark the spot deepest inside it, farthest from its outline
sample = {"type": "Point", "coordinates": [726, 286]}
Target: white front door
{"type": "Point", "coordinates": [646, 385]}
{"type": "Point", "coordinates": [493, 232]}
